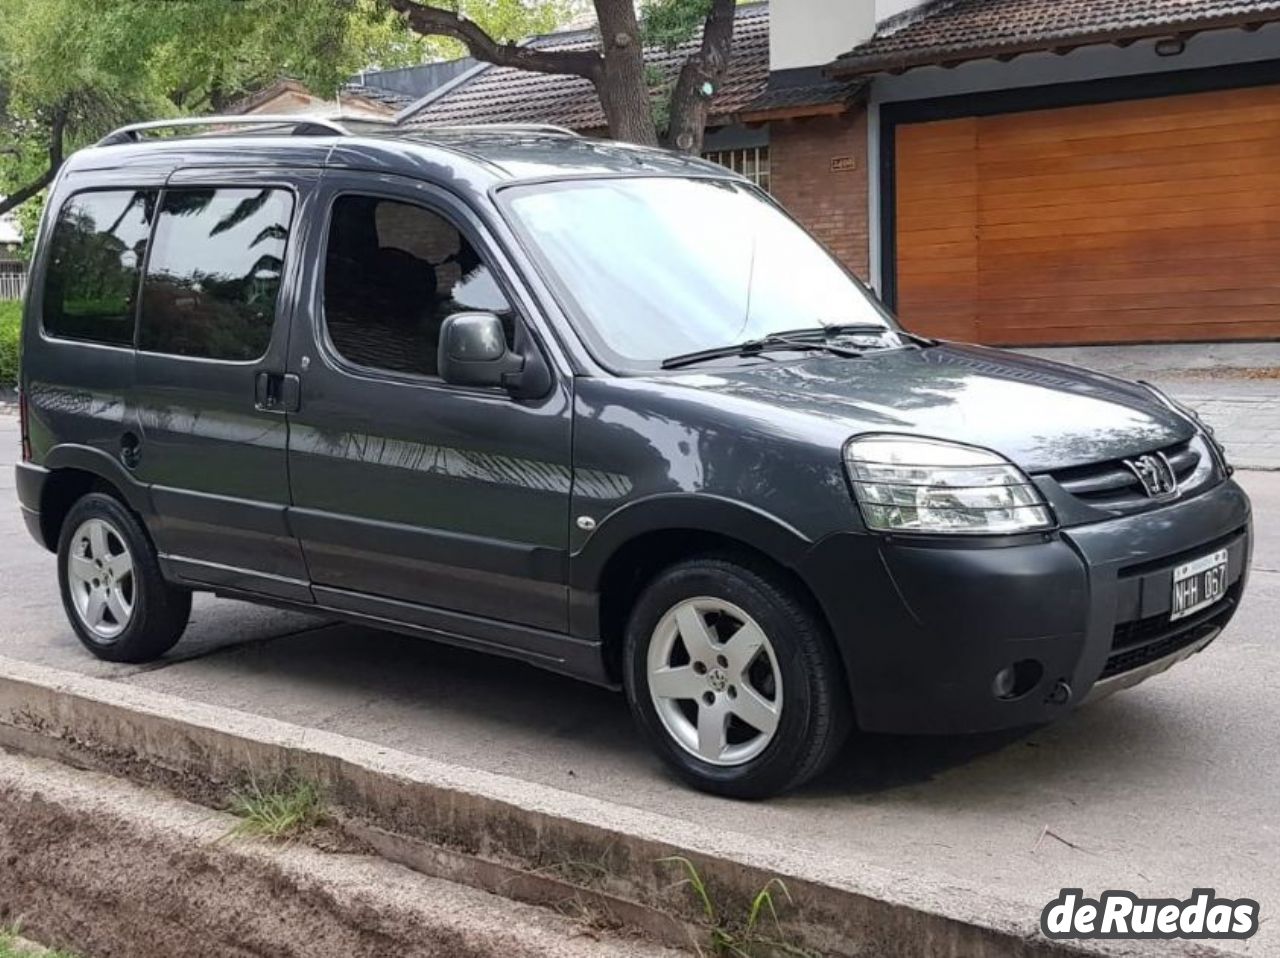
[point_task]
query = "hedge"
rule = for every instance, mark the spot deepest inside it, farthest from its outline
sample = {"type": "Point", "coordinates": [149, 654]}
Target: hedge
{"type": "Point", "coordinates": [10, 325]}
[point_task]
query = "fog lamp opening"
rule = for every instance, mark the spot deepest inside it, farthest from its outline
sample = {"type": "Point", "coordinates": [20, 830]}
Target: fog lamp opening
{"type": "Point", "coordinates": [1015, 681]}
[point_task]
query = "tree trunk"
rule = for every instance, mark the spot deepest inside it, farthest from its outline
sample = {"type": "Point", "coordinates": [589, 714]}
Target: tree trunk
{"type": "Point", "coordinates": [699, 80]}
{"type": "Point", "coordinates": [56, 130]}
{"type": "Point", "coordinates": [622, 84]}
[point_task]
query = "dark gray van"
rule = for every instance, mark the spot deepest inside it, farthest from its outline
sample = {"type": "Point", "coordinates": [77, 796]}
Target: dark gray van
{"type": "Point", "coordinates": [604, 409]}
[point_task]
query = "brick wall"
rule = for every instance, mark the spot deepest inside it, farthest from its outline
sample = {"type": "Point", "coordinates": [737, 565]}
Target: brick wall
{"type": "Point", "coordinates": [831, 203]}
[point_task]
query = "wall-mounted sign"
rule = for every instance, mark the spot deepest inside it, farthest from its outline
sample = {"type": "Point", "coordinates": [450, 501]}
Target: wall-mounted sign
{"type": "Point", "coordinates": [843, 164]}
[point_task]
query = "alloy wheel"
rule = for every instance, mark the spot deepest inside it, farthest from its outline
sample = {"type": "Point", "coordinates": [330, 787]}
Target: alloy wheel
{"type": "Point", "coordinates": [714, 681]}
{"type": "Point", "coordinates": [100, 579]}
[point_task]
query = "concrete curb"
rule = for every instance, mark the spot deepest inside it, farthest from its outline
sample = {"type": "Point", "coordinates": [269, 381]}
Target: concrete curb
{"type": "Point", "coordinates": [109, 868]}
{"type": "Point", "coordinates": [431, 812]}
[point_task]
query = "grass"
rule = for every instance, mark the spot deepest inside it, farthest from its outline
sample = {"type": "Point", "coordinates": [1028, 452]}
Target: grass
{"type": "Point", "coordinates": [11, 947]}
{"type": "Point", "coordinates": [757, 934]}
{"type": "Point", "coordinates": [277, 810]}
{"type": "Point", "coordinates": [10, 324]}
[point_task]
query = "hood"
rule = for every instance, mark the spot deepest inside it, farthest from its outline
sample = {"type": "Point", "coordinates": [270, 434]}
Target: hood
{"type": "Point", "coordinates": [1040, 415]}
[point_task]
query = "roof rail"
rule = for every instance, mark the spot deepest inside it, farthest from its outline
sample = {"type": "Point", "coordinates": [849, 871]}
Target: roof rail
{"type": "Point", "coordinates": [302, 124]}
{"type": "Point", "coordinates": [499, 127]}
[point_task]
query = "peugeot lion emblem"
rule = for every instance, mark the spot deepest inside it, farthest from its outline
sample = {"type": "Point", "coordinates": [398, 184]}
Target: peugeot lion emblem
{"type": "Point", "coordinates": [1156, 475]}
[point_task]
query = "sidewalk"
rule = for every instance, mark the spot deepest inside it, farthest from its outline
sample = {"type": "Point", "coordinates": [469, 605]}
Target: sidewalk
{"type": "Point", "coordinates": [1234, 386]}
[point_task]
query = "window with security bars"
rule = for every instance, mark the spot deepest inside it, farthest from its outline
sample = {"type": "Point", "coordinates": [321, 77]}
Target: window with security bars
{"type": "Point", "coordinates": [752, 162]}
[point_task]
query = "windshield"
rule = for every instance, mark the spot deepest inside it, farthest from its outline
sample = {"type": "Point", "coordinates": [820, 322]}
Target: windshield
{"type": "Point", "coordinates": [661, 266]}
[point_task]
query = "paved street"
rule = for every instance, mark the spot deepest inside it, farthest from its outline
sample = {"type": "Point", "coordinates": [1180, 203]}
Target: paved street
{"type": "Point", "coordinates": [1157, 790]}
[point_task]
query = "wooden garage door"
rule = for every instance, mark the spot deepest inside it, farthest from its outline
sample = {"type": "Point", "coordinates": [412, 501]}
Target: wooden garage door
{"type": "Point", "coordinates": [1145, 220]}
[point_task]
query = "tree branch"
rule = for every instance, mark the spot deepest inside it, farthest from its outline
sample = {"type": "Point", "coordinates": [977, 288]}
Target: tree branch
{"type": "Point", "coordinates": [57, 129]}
{"type": "Point", "coordinates": [700, 78]}
{"type": "Point", "coordinates": [434, 21]}
{"type": "Point", "coordinates": [18, 197]}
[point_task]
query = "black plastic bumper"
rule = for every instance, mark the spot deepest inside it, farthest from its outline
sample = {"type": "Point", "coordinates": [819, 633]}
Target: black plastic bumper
{"type": "Point", "coordinates": [30, 479]}
{"type": "Point", "coordinates": [925, 626]}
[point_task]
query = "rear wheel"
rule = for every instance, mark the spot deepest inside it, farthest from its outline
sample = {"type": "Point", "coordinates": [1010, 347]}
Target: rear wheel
{"type": "Point", "coordinates": [118, 603]}
{"type": "Point", "coordinates": [734, 678]}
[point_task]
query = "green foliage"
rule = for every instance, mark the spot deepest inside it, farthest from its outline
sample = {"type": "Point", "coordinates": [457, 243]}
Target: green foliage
{"type": "Point", "coordinates": [28, 219]}
{"type": "Point", "coordinates": [661, 84]}
{"type": "Point", "coordinates": [277, 810]}
{"type": "Point", "coordinates": [509, 19]}
{"type": "Point", "coordinates": [750, 936]}
{"type": "Point", "coordinates": [669, 23]}
{"type": "Point", "coordinates": [10, 332]}
{"type": "Point", "coordinates": [12, 946]}
{"type": "Point", "coordinates": [102, 63]}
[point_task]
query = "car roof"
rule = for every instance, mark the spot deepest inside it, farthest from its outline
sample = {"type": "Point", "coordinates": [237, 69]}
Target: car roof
{"type": "Point", "coordinates": [481, 156]}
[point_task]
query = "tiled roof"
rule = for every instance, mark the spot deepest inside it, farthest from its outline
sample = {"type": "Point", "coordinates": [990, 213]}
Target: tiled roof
{"type": "Point", "coordinates": [782, 99]}
{"type": "Point", "coordinates": [377, 94]}
{"type": "Point", "coordinates": [250, 102]}
{"type": "Point", "coordinates": [492, 94]}
{"type": "Point", "coordinates": [948, 31]}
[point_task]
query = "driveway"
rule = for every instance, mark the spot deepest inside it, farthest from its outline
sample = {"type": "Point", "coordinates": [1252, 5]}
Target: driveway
{"type": "Point", "coordinates": [1158, 790]}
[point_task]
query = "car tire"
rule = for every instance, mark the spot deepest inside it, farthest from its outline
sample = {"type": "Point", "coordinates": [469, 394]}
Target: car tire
{"type": "Point", "coordinates": [795, 674]}
{"type": "Point", "coordinates": [120, 606]}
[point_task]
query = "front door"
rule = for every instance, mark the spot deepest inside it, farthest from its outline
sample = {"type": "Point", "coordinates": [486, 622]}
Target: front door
{"type": "Point", "coordinates": [416, 500]}
{"type": "Point", "coordinates": [209, 419]}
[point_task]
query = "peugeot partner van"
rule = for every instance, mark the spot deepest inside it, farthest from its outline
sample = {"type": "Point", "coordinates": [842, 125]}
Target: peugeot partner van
{"type": "Point", "coordinates": [604, 409]}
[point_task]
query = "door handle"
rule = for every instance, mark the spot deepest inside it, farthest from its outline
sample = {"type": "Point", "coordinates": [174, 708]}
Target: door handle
{"type": "Point", "coordinates": [277, 392]}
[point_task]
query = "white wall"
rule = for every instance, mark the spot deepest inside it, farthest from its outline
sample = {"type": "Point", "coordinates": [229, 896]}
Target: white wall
{"type": "Point", "coordinates": [9, 232]}
{"type": "Point", "coordinates": [810, 33]}
{"type": "Point", "coordinates": [891, 8]}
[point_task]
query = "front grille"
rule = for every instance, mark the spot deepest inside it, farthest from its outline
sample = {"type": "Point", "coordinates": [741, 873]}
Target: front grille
{"type": "Point", "coordinates": [1114, 485]}
{"type": "Point", "coordinates": [1134, 644]}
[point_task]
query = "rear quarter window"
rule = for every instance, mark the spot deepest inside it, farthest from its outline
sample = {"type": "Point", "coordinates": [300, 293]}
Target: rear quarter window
{"type": "Point", "coordinates": [96, 252]}
{"type": "Point", "coordinates": [213, 279]}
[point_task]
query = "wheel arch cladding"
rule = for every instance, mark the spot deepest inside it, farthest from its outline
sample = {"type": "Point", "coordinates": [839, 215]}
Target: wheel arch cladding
{"type": "Point", "coordinates": [639, 541]}
{"type": "Point", "coordinates": [75, 471]}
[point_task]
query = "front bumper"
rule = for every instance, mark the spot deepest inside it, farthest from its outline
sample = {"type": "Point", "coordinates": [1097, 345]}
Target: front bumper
{"type": "Point", "coordinates": [924, 626]}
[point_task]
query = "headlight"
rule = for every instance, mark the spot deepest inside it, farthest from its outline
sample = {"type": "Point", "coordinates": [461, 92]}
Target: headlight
{"type": "Point", "coordinates": [904, 484]}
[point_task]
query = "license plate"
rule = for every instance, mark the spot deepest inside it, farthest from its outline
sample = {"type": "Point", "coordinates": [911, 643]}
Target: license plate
{"type": "Point", "coordinates": [1198, 584]}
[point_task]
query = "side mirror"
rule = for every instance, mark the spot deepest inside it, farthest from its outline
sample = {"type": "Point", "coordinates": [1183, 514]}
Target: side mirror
{"type": "Point", "coordinates": [473, 351]}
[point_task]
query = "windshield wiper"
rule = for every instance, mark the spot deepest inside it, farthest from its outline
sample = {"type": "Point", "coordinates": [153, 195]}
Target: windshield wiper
{"type": "Point", "coordinates": [841, 329]}
{"type": "Point", "coordinates": [753, 347]}
{"type": "Point", "coordinates": [837, 329]}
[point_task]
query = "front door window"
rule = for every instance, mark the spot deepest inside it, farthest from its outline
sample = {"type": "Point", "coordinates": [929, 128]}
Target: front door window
{"type": "Point", "coordinates": [393, 273]}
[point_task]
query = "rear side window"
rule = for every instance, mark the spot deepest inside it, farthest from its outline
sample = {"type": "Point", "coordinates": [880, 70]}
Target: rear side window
{"type": "Point", "coordinates": [213, 279]}
{"type": "Point", "coordinates": [97, 249]}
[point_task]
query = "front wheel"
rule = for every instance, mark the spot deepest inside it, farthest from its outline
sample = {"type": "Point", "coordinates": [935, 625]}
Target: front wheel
{"type": "Point", "coordinates": [119, 605]}
{"type": "Point", "coordinates": [734, 678]}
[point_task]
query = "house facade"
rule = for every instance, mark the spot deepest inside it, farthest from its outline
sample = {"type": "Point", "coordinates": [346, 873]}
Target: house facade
{"type": "Point", "coordinates": [1075, 171]}
{"type": "Point", "coordinates": [1015, 172]}
{"type": "Point", "coordinates": [12, 269]}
